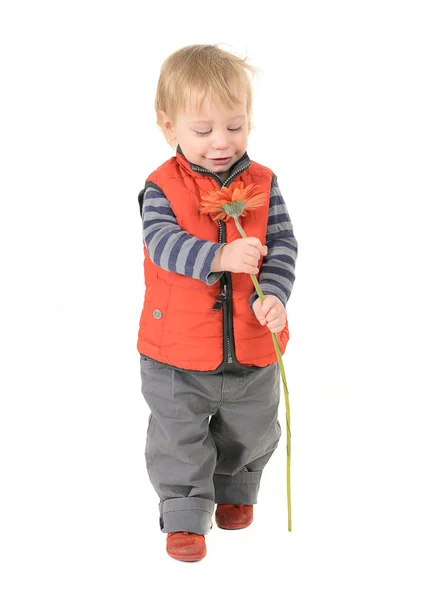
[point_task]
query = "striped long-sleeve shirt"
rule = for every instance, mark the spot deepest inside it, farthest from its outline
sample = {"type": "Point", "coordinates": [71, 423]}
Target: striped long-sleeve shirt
{"type": "Point", "coordinates": [173, 249]}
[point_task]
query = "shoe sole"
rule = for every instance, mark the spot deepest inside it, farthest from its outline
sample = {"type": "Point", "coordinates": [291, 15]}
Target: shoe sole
{"type": "Point", "coordinates": [191, 558]}
{"type": "Point", "coordinates": [239, 526]}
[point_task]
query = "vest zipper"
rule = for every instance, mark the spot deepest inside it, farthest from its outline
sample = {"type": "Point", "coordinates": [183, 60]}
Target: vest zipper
{"type": "Point", "coordinates": [220, 300]}
{"type": "Point", "coordinates": [226, 285]}
{"type": "Point", "coordinates": [227, 313]}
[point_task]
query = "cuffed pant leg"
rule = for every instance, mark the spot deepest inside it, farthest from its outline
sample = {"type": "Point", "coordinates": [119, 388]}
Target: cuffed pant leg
{"type": "Point", "coordinates": [241, 488]}
{"type": "Point", "coordinates": [186, 514]}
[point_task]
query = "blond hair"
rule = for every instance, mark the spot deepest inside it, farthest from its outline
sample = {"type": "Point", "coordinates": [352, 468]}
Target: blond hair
{"type": "Point", "coordinates": [205, 71]}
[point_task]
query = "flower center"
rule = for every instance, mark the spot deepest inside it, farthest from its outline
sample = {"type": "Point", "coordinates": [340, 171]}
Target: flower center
{"type": "Point", "coordinates": [234, 209]}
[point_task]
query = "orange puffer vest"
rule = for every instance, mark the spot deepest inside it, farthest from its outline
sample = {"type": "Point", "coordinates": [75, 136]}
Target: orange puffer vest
{"type": "Point", "coordinates": [182, 322]}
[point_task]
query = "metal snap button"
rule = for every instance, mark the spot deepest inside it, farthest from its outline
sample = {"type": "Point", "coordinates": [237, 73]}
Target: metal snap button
{"type": "Point", "coordinates": [157, 313]}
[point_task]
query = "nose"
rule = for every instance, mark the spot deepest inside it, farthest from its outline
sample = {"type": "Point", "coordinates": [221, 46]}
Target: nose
{"type": "Point", "coordinates": [220, 140]}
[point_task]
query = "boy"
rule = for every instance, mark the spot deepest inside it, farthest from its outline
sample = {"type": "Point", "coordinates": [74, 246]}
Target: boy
{"type": "Point", "coordinates": [208, 366]}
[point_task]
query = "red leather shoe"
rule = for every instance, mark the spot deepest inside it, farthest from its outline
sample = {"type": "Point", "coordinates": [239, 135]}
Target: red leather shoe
{"type": "Point", "coordinates": [234, 516]}
{"type": "Point", "coordinates": [183, 545]}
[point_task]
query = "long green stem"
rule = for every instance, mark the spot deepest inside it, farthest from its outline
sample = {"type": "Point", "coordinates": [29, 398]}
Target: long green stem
{"type": "Point", "coordinates": [285, 388]}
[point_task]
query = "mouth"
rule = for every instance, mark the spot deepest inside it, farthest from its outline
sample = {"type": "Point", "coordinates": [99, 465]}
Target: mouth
{"type": "Point", "coordinates": [221, 161]}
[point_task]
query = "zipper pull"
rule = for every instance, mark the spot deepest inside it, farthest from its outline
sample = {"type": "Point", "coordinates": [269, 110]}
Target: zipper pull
{"type": "Point", "coordinates": [220, 299]}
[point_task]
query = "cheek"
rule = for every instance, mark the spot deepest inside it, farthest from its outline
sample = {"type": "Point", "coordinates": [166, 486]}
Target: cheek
{"type": "Point", "coordinates": [242, 140]}
{"type": "Point", "coordinates": [201, 146]}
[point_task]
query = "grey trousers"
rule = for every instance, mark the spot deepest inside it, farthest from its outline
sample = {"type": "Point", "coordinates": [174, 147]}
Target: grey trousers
{"type": "Point", "coordinates": [209, 437]}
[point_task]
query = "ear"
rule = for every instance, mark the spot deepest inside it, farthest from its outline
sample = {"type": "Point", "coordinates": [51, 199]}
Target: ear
{"type": "Point", "coordinates": [167, 124]}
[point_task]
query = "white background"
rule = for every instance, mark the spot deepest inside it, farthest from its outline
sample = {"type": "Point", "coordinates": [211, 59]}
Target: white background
{"type": "Point", "coordinates": [342, 114]}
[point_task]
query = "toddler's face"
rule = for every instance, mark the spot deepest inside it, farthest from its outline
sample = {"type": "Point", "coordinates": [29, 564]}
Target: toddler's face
{"type": "Point", "coordinates": [216, 132]}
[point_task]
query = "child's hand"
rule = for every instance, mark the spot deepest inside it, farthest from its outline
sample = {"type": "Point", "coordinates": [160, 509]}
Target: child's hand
{"type": "Point", "coordinates": [271, 313]}
{"type": "Point", "coordinates": [240, 256]}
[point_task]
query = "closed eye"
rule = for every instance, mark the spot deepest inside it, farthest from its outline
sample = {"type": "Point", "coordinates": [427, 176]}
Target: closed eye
{"type": "Point", "coordinates": [207, 132]}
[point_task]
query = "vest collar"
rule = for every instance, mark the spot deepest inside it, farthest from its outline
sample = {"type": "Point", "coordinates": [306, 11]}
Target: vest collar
{"type": "Point", "coordinates": [238, 167]}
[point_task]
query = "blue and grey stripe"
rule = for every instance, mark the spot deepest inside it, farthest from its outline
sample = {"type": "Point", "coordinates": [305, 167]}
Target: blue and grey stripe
{"type": "Point", "coordinates": [170, 247]}
{"type": "Point", "coordinates": [277, 273]}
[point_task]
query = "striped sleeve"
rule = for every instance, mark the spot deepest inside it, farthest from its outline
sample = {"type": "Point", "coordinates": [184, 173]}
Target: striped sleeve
{"type": "Point", "coordinates": [172, 248]}
{"type": "Point", "coordinates": [277, 273]}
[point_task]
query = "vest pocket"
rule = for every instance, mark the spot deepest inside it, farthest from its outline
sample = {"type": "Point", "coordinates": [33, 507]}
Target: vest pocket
{"type": "Point", "coordinates": [154, 313]}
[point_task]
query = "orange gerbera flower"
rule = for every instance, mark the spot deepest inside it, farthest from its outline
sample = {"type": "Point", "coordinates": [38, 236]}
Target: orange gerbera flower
{"type": "Point", "coordinates": [232, 201]}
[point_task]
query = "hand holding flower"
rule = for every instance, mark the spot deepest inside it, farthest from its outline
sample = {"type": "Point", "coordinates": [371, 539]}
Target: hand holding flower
{"type": "Point", "coordinates": [271, 313]}
{"type": "Point", "coordinates": [240, 256]}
